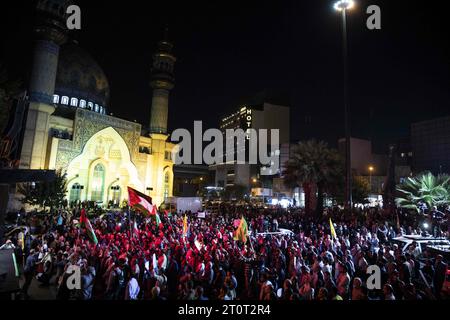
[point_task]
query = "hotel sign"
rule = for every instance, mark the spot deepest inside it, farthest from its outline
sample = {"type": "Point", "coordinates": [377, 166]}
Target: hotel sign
{"type": "Point", "coordinates": [248, 117]}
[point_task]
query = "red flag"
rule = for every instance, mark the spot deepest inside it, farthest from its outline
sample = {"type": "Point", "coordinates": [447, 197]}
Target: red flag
{"type": "Point", "coordinates": [134, 197]}
{"type": "Point", "coordinates": [83, 217]}
{"type": "Point", "coordinates": [140, 201]}
{"type": "Point", "coordinates": [84, 222]}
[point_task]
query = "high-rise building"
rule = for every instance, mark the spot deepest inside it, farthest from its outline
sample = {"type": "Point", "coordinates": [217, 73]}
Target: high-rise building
{"type": "Point", "coordinates": [430, 142]}
{"type": "Point", "coordinates": [365, 164]}
{"type": "Point", "coordinates": [265, 115]}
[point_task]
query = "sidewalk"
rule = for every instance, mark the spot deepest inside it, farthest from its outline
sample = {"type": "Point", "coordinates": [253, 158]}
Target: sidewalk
{"type": "Point", "coordinates": [37, 292]}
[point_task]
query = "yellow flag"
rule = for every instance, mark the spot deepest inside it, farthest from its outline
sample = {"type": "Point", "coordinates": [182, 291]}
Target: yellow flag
{"type": "Point", "coordinates": [185, 226]}
{"type": "Point", "coordinates": [241, 233]}
{"type": "Point", "coordinates": [333, 231]}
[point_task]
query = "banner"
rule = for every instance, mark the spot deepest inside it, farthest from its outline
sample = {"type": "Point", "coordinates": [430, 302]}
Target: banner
{"type": "Point", "coordinates": [201, 215]}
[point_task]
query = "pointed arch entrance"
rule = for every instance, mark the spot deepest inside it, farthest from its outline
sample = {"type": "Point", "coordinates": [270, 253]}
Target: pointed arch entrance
{"type": "Point", "coordinates": [104, 167]}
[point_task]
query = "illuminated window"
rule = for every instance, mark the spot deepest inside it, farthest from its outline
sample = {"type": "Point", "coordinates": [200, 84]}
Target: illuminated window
{"type": "Point", "coordinates": [90, 106]}
{"type": "Point", "coordinates": [82, 103]}
{"type": "Point", "coordinates": [166, 185]}
{"type": "Point", "coordinates": [98, 181]}
{"type": "Point", "coordinates": [75, 193]}
{"type": "Point", "coordinates": [96, 107]}
{"type": "Point", "coordinates": [115, 194]}
{"type": "Point", "coordinates": [74, 102]}
{"type": "Point", "coordinates": [55, 98]}
{"type": "Point", "coordinates": [100, 109]}
{"type": "Point", "coordinates": [65, 100]}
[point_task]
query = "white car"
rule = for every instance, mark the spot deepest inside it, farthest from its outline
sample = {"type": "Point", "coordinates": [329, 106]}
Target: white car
{"type": "Point", "coordinates": [405, 241]}
{"type": "Point", "coordinates": [279, 232]}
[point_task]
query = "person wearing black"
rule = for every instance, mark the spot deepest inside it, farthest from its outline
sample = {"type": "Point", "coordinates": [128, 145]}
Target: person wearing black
{"type": "Point", "coordinates": [28, 271]}
{"type": "Point", "coordinates": [116, 286]}
{"type": "Point", "coordinates": [397, 285]}
{"type": "Point", "coordinates": [436, 218]}
{"type": "Point", "coordinates": [440, 269]}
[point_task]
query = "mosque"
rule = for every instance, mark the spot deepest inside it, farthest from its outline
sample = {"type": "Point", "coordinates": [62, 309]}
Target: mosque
{"type": "Point", "coordinates": [68, 127]}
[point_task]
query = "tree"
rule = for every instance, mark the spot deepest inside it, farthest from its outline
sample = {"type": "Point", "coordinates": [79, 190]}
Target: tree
{"type": "Point", "coordinates": [360, 189]}
{"type": "Point", "coordinates": [424, 188]}
{"type": "Point", "coordinates": [313, 165]}
{"type": "Point", "coordinates": [44, 194]}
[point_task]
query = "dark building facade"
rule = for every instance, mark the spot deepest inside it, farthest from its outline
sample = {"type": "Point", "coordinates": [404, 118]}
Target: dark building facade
{"type": "Point", "coordinates": [189, 180]}
{"type": "Point", "coordinates": [430, 141]}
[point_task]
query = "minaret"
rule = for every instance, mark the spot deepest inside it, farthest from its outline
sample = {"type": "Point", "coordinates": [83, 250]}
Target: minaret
{"type": "Point", "coordinates": [162, 82]}
{"type": "Point", "coordinates": [49, 33]}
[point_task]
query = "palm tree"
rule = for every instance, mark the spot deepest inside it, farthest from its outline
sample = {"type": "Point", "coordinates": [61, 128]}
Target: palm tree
{"type": "Point", "coordinates": [313, 165]}
{"type": "Point", "coordinates": [424, 188]}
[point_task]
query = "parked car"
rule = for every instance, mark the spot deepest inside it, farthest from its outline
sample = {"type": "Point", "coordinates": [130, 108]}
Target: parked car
{"type": "Point", "coordinates": [438, 245]}
{"type": "Point", "coordinates": [279, 232]}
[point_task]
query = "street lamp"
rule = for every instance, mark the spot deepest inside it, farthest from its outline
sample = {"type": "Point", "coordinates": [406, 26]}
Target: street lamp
{"type": "Point", "coordinates": [110, 187]}
{"type": "Point", "coordinates": [371, 168]}
{"type": "Point", "coordinates": [342, 6]}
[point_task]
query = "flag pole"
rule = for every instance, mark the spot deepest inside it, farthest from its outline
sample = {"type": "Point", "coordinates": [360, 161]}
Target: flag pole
{"type": "Point", "coordinates": [251, 243]}
{"type": "Point", "coordinates": [129, 220]}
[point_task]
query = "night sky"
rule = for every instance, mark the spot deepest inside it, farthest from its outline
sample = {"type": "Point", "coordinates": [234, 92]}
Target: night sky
{"type": "Point", "coordinates": [232, 49]}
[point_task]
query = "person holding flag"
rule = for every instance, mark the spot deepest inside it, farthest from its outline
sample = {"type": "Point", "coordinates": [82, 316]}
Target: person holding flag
{"type": "Point", "coordinates": [85, 223]}
{"type": "Point", "coordinates": [241, 233]}
{"type": "Point", "coordinates": [185, 226]}
{"type": "Point", "coordinates": [143, 203]}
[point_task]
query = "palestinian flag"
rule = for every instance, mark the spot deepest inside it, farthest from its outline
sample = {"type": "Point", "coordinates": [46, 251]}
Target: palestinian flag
{"type": "Point", "coordinates": [155, 215]}
{"type": "Point", "coordinates": [143, 203]}
{"type": "Point", "coordinates": [140, 201]}
{"type": "Point", "coordinates": [85, 223]}
{"type": "Point", "coordinates": [241, 233]}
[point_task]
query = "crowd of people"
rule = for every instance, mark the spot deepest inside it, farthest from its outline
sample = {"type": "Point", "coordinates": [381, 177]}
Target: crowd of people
{"type": "Point", "coordinates": [134, 258]}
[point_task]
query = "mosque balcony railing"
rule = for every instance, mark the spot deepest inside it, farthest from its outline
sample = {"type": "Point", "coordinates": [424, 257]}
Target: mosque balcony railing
{"type": "Point", "coordinates": [61, 134]}
{"type": "Point", "coordinates": [145, 150]}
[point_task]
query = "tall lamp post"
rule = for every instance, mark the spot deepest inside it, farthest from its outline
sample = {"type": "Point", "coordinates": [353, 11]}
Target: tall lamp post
{"type": "Point", "coordinates": [371, 168]}
{"type": "Point", "coordinates": [343, 6]}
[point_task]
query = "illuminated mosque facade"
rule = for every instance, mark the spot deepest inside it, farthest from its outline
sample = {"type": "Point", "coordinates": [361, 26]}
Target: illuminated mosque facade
{"type": "Point", "coordinates": [68, 127]}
